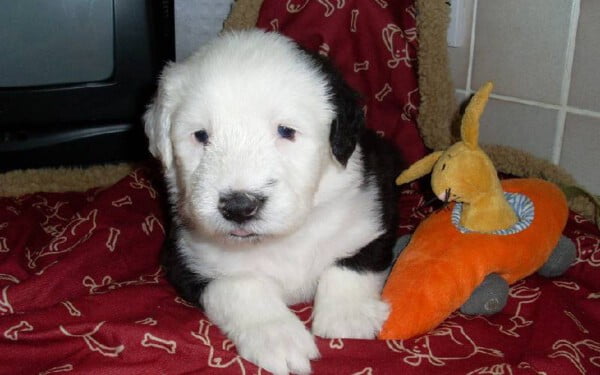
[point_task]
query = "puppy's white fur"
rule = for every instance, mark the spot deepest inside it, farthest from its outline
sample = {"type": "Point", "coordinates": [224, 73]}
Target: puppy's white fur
{"type": "Point", "coordinates": [239, 89]}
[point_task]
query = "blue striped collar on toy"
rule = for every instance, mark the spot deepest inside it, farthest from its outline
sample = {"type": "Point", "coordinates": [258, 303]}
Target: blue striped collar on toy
{"type": "Point", "coordinates": [522, 205]}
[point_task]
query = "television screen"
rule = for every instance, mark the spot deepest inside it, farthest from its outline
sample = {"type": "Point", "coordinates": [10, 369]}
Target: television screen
{"type": "Point", "coordinates": [56, 43]}
{"type": "Point", "coordinates": [75, 77]}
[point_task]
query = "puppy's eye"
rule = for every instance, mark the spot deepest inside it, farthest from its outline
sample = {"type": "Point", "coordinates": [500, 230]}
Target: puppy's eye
{"type": "Point", "coordinates": [201, 136]}
{"type": "Point", "coordinates": [443, 166]}
{"type": "Point", "coordinates": [287, 133]}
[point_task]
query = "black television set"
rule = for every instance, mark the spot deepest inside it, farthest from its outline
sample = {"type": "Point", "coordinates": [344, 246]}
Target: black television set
{"type": "Point", "coordinates": [75, 77]}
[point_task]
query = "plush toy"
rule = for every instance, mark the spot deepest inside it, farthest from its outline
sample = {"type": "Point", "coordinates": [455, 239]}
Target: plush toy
{"type": "Point", "coordinates": [491, 235]}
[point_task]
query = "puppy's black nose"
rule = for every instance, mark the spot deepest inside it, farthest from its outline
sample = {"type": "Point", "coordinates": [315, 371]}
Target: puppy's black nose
{"type": "Point", "coordinates": [240, 206]}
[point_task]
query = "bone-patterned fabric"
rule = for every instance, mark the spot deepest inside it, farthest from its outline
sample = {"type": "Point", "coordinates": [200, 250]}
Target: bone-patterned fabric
{"type": "Point", "coordinates": [82, 292]}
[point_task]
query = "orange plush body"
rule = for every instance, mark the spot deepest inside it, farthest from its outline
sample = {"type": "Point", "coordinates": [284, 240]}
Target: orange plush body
{"type": "Point", "coordinates": [444, 268]}
{"type": "Point", "coordinates": [439, 269]}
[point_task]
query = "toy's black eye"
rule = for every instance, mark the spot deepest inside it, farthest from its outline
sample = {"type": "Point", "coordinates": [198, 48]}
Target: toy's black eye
{"type": "Point", "coordinates": [443, 166]}
{"type": "Point", "coordinates": [287, 133]}
{"type": "Point", "coordinates": [201, 136]}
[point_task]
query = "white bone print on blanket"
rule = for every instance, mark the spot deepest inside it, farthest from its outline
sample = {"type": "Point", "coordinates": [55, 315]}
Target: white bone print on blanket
{"type": "Point", "coordinates": [588, 247]}
{"type": "Point", "coordinates": [13, 332]}
{"type": "Point", "coordinates": [449, 336]}
{"type": "Point", "coordinates": [3, 246]}
{"type": "Point", "coordinates": [149, 222]}
{"type": "Point", "coordinates": [76, 232]}
{"type": "Point", "coordinates": [566, 284]}
{"type": "Point", "coordinates": [108, 284]}
{"type": "Point", "coordinates": [73, 311]}
{"type": "Point", "coordinates": [304, 310]}
{"type": "Point", "coordinates": [410, 107]}
{"type": "Point", "coordinates": [576, 321]}
{"type": "Point", "coordinates": [361, 66]}
{"type": "Point", "coordinates": [5, 306]}
{"type": "Point", "coordinates": [577, 352]}
{"type": "Point", "coordinates": [183, 302]}
{"type": "Point", "coordinates": [497, 369]}
{"type": "Point", "coordinates": [7, 277]}
{"type": "Point", "coordinates": [295, 6]}
{"type": "Point", "coordinates": [148, 321]}
{"type": "Point", "coordinates": [151, 341]}
{"type": "Point", "coordinates": [330, 7]}
{"type": "Point", "coordinates": [412, 10]}
{"type": "Point", "coordinates": [390, 35]}
{"type": "Point", "coordinates": [93, 344]}
{"type": "Point", "coordinates": [14, 210]}
{"type": "Point", "coordinates": [54, 221]}
{"type": "Point", "coordinates": [382, 3]}
{"type": "Point", "coordinates": [525, 296]}
{"type": "Point", "coordinates": [64, 368]}
{"type": "Point", "coordinates": [354, 19]}
{"type": "Point", "coordinates": [337, 344]}
{"type": "Point", "coordinates": [324, 49]}
{"type": "Point", "coordinates": [113, 236]}
{"type": "Point", "coordinates": [203, 334]}
{"type": "Point", "coordinates": [125, 201]}
{"type": "Point", "coordinates": [383, 92]}
{"type": "Point", "coordinates": [142, 183]}
{"type": "Point", "coordinates": [41, 271]}
{"type": "Point", "coordinates": [528, 366]}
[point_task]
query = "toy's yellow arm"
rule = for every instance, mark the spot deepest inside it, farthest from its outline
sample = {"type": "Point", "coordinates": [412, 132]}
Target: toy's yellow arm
{"type": "Point", "coordinates": [419, 168]}
{"type": "Point", "coordinates": [469, 130]}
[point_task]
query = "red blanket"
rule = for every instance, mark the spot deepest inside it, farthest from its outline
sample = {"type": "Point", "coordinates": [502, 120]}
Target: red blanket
{"type": "Point", "coordinates": [81, 292]}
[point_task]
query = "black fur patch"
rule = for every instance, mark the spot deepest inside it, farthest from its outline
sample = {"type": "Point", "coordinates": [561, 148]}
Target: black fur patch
{"type": "Point", "coordinates": [349, 123]}
{"type": "Point", "coordinates": [381, 164]}
{"type": "Point", "coordinates": [381, 161]}
{"type": "Point", "coordinates": [188, 284]}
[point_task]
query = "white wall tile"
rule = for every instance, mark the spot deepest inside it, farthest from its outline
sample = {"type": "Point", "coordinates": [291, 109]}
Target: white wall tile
{"type": "Point", "coordinates": [581, 150]}
{"type": "Point", "coordinates": [521, 45]}
{"type": "Point", "coordinates": [525, 127]}
{"type": "Point", "coordinates": [585, 82]}
{"type": "Point", "coordinates": [459, 56]}
{"type": "Point", "coordinates": [460, 97]}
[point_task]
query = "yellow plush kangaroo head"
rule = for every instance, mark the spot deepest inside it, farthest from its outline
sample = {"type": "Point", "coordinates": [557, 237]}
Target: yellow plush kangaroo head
{"type": "Point", "coordinates": [464, 173]}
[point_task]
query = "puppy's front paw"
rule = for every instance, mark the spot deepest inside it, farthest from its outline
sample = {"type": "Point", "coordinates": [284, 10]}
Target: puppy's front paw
{"type": "Point", "coordinates": [279, 346]}
{"type": "Point", "coordinates": [358, 319]}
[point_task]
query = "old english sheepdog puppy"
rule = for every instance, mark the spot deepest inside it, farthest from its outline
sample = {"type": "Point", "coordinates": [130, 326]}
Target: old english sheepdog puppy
{"type": "Point", "coordinates": [279, 196]}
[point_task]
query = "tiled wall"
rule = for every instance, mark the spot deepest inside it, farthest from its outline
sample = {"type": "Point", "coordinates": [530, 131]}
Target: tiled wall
{"type": "Point", "coordinates": [544, 58]}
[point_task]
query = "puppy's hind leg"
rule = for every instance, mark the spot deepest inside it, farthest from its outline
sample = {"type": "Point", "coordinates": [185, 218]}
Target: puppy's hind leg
{"type": "Point", "coordinates": [348, 299]}
{"type": "Point", "coordinates": [348, 304]}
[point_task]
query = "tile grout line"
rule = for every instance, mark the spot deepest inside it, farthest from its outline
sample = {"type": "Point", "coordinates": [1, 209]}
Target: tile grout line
{"type": "Point", "coordinates": [471, 48]}
{"type": "Point", "coordinates": [566, 83]}
{"type": "Point", "coordinates": [556, 107]}
{"type": "Point", "coordinates": [583, 112]}
{"type": "Point", "coordinates": [526, 101]}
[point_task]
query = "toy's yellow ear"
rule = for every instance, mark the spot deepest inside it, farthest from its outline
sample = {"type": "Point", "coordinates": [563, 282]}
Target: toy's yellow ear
{"type": "Point", "coordinates": [419, 168]}
{"type": "Point", "coordinates": [469, 129]}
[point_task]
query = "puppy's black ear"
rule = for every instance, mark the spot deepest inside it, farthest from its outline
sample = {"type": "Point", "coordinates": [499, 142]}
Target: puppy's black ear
{"type": "Point", "coordinates": [349, 122]}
